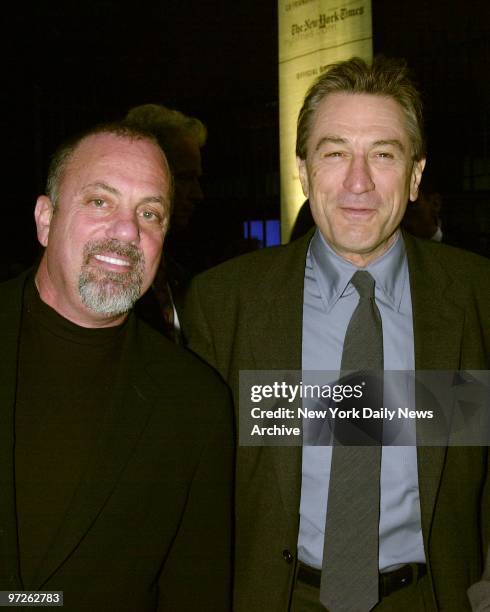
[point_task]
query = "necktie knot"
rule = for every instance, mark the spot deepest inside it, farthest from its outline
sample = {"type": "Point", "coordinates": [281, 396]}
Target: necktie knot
{"type": "Point", "coordinates": [364, 283]}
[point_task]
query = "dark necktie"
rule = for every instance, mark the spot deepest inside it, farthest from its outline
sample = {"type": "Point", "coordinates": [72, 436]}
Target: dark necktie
{"type": "Point", "coordinates": [350, 557]}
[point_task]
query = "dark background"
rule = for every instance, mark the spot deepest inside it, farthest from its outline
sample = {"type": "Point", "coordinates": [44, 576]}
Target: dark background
{"type": "Point", "coordinates": [70, 65]}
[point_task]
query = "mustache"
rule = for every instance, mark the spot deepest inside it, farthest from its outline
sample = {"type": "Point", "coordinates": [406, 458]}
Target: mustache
{"type": "Point", "coordinates": [111, 245]}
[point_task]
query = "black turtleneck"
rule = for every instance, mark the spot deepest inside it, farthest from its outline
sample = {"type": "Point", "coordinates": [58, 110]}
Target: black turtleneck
{"type": "Point", "coordinates": [65, 378]}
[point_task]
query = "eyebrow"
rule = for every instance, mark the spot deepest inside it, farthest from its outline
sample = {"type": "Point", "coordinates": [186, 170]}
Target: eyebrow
{"type": "Point", "coordinates": [394, 142]}
{"type": "Point", "coordinates": [330, 139]}
{"type": "Point", "coordinates": [101, 185]}
{"type": "Point", "coordinates": [146, 200]}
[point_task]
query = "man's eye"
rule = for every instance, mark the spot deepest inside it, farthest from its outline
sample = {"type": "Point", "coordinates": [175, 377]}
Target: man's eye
{"type": "Point", "coordinates": [150, 215]}
{"type": "Point", "coordinates": [334, 154]}
{"type": "Point", "coordinates": [98, 202]}
{"type": "Point", "coordinates": [384, 155]}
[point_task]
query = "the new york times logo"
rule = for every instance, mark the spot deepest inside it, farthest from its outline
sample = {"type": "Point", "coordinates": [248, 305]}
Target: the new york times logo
{"type": "Point", "coordinates": [324, 20]}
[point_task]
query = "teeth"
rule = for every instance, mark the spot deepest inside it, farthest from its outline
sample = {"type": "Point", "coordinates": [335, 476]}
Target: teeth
{"type": "Point", "coordinates": [112, 260]}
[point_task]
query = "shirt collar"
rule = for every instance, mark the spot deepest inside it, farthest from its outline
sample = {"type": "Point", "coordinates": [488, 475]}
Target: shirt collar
{"type": "Point", "coordinates": [333, 273]}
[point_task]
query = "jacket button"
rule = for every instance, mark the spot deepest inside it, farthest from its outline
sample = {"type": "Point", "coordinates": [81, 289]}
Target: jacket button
{"type": "Point", "coordinates": [287, 556]}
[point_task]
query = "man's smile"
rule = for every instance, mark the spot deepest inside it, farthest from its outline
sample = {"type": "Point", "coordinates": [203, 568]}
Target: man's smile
{"type": "Point", "coordinates": [115, 261]}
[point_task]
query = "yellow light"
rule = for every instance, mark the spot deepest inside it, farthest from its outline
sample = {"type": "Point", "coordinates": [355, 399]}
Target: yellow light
{"type": "Point", "coordinates": [312, 34]}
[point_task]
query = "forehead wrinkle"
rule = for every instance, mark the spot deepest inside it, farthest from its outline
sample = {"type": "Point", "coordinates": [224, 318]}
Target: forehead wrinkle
{"type": "Point", "coordinates": [330, 139]}
{"type": "Point", "coordinates": [102, 185]}
{"type": "Point", "coordinates": [154, 200]}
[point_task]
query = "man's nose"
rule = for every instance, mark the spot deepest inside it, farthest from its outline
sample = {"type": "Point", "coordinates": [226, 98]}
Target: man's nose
{"type": "Point", "coordinates": [358, 178]}
{"type": "Point", "coordinates": [125, 227]}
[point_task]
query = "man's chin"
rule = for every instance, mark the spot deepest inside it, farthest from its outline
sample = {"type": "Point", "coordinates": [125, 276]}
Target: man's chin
{"type": "Point", "coordinates": [364, 250]}
{"type": "Point", "coordinates": [108, 297]}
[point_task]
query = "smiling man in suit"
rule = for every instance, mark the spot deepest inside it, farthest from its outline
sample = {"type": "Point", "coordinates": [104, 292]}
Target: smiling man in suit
{"type": "Point", "coordinates": [117, 446]}
{"type": "Point", "coordinates": [361, 155]}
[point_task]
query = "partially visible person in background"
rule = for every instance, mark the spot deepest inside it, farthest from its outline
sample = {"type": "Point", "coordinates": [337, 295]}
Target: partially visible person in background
{"type": "Point", "coordinates": [181, 138]}
{"type": "Point", "coordinates": [423, 217]}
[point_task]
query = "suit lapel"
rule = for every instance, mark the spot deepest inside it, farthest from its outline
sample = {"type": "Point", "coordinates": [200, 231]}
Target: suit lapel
{"type": "Point", "coordinates": [275, 331]}
{"type": "Point", "coordinates": [126, 417]}
{"type": "Point", "coordinates": [437, 316]}
{"type": "Point", "coordinates": [438, 329]}
{"type": "Point", "coordinates": [275, 324]}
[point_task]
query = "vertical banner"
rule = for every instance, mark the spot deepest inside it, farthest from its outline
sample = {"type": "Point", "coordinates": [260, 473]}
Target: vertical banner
{"type": "Point", "coordinates": [312, 34]}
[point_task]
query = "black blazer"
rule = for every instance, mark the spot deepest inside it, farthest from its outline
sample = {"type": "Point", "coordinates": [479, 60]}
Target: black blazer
{"type": "Point", "coordinates": [149, 526]}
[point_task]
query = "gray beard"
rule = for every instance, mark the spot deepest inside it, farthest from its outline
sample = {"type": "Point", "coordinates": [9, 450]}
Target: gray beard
{"type": "Point", "coordinates": [104, 291]}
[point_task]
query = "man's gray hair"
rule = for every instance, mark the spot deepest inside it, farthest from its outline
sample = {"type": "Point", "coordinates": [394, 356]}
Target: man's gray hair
{"type": "Point", "coordinates": [384, 77]}
{"type": "Point", "coordinates": [166, 124]}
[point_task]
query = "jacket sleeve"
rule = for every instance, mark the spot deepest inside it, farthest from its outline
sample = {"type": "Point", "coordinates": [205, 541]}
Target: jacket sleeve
{"type": "Point", "coordinates": [197, 573]}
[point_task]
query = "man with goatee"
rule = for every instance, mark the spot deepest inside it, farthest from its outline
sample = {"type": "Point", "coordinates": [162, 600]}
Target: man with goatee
{"type": "Point", "coordinates": [116, 448]}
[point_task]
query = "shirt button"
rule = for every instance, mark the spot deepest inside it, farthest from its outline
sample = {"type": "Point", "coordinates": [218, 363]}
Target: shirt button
{"type": "Point", "coordinates": [287, 556]}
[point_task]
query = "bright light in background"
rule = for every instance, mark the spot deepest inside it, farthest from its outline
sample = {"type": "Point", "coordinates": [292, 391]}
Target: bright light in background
{"type": "Point", "coordinates": [312, 34]}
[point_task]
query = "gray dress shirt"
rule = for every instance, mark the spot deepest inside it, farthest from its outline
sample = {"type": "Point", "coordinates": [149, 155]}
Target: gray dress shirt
{"type": "Point", "coordinates": [329, 301]}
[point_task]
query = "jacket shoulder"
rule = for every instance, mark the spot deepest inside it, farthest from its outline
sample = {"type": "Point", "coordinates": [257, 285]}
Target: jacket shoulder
{"type": "Point", "coordinates": [456, 262]}
{"type": "Point", "coordinates": [167, 361]}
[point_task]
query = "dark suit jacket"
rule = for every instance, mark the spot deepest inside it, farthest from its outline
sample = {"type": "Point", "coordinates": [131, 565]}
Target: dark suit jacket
{"type": "Point", "coordinates": [149, 526]}
{"type": "Point", "coordinates": [247, 314]}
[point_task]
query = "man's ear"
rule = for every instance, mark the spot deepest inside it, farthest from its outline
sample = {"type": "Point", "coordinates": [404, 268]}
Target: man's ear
{"type": "Point", "coordinates": [303, 176]}
{"type": "Point", "coordinates": [43, 214]}
{"type": "Point", "coordinates": [415, 178]}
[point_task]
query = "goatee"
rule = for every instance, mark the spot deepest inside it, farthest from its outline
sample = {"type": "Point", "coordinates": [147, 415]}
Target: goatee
{"type": "Point", "coordinates": [105, 291]}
